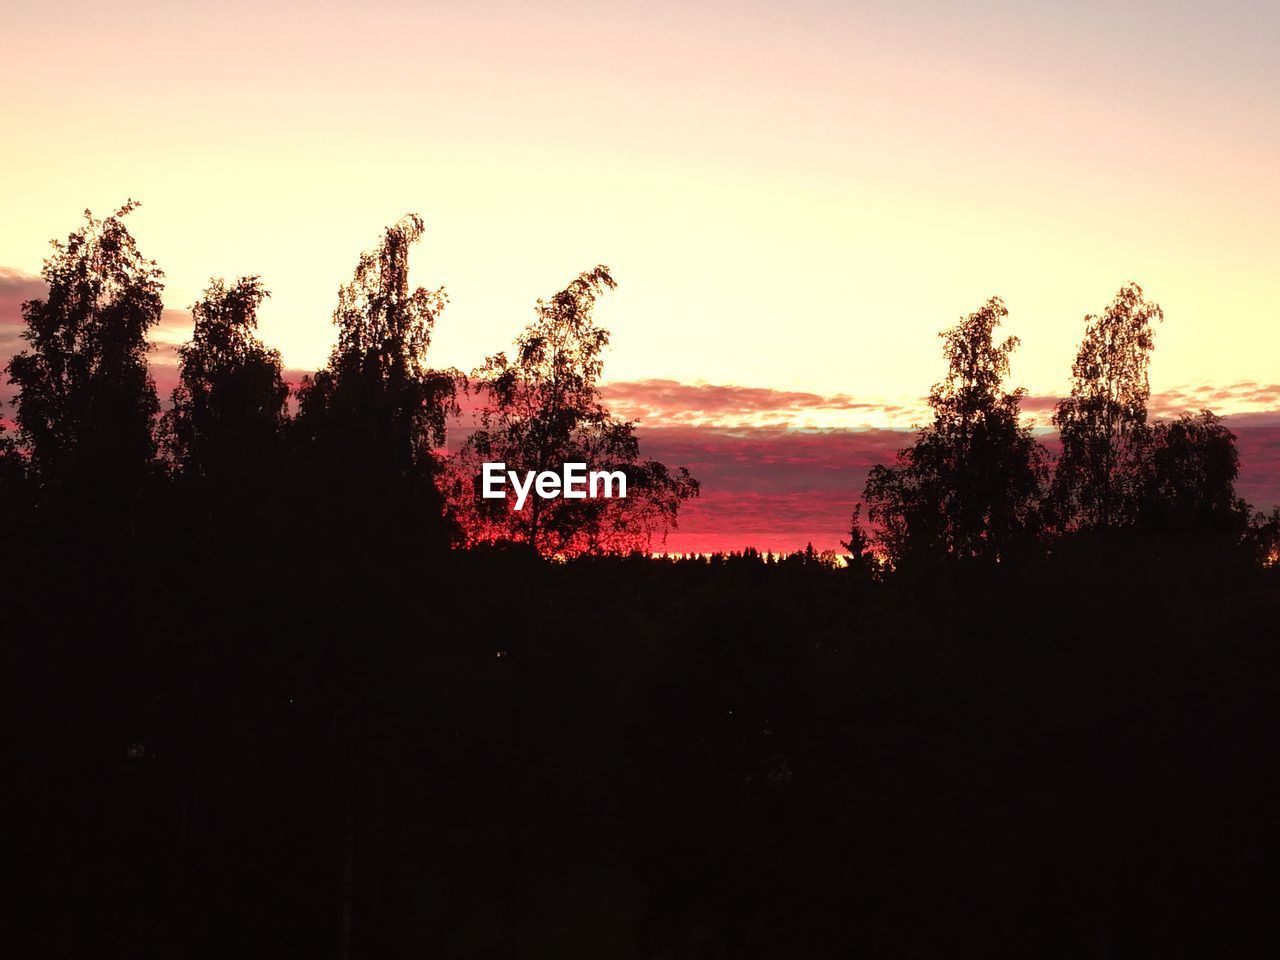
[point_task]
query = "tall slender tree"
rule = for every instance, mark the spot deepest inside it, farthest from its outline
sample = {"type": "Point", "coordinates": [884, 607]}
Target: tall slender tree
{"type": "Point", "coordinates": [373, 418]}
{"type": "Point", "coordinates": [225, 427]}
{"type": "Point", "coordinates": [1104, 467]}
{"type": "Point", "coordinates": [969, 487]}
{"type": "Point", "coordinates": [368, 428]}
{"type": "Point", "coordinates": [86, 403]}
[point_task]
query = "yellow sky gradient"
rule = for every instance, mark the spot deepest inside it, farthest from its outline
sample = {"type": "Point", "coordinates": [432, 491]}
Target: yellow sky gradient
{"type": "Point", "coordinates": [795, 196]}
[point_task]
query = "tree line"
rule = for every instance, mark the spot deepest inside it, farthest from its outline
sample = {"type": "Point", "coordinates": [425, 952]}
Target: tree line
{"type": "Point", "coordinates": [975, 485]}
{"type": "Point", "coordinates": [257, 703]}
{"type": "Point", "coordinates": [365, 443]}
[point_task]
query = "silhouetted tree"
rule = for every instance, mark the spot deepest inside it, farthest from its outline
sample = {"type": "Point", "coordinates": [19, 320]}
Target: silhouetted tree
{"type": "Point", "coordinates": [1191, 491]}
{"type": "Point", "coordinates": [543, 409]}
{"type": "Point", "coordinates": [86, 403]}
{"type": "Point", "coordinates": [810, 556]}
{"type": "Point", "coordinates": [1103, 470]}
{"type": "Point", "coordinates": [1262, 538]}
{"type": "Point", "coordinates": [735, 755]}
{"type": "Point", "coordinates": [226, 424]}
{"type": "Point", "coordinates": [969, 487]}
{"type": "Point", "coordinates": [860, 558]}
{"type": "Point", "coordinates": [12, 466]}
{"type": "Point", "coordinates": [371, 420]}
{"type": "Point", "coordinates": [13, 478]}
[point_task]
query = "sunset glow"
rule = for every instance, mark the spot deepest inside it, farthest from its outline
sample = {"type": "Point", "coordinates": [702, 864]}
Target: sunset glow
{"type": "Point", "coordinates": [794, 200]}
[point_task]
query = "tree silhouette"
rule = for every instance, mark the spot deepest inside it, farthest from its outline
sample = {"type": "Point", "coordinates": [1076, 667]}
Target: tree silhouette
{"type": "Point", "coordinates": [371, 420]}
{"type": "Point", "coordinates": [1191, 486]}
{"type": "Point", "coordinates": [86, 403]}
{"type": "Point", "coordinates": [13, 476]}
{"type": "Point", "coordinates": [375, 749]}
{"type": "Point", "coordinates": [860, 558]}
{"type": "Point", "coordinates": [12, 466]}
{"type": "Point", "coordinates": [543, 409]}
{"type": "Point", "coordinates": [969, 487]}
{"type": "Point", "coordinates": [225, 427]}
{"type": "Point", "coordinates": [1100, 476]}
{"type": "Point", "coordinates": [1261, 540]}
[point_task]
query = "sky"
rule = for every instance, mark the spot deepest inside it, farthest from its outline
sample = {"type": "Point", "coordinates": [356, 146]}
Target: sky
{"type": "Point", "coordinates": [794, 197]}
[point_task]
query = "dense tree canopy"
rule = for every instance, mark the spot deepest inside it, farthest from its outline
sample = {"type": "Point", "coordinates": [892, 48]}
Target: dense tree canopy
{"type": "Point", "coordinates": [86, 403]}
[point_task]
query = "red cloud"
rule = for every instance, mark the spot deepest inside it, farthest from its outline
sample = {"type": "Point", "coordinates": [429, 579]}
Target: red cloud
{"type": "Point", "coordinates": [1258, 440]}
{"type": "Point", "coordinates": [769, 487]}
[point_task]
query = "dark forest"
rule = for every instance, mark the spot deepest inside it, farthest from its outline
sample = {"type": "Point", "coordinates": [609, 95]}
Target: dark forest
{"type": "Point", "coordinates": [279, 683]}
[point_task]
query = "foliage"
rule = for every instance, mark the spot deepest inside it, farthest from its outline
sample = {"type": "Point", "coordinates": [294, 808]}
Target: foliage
{"type": "Point", "coordinates": [1193, 469]}
{"type": "Point", "coordinates": [371, 420]}
{"type": "Point", "coordinates": [86, 402]}
{"type": "Point", "coordinates": [229, 409]}
{"type": "Point", "coordinates": [1262, 538]}
{"type": "Point", "coordinates": [969, 487]}
{"type": "Point", "coordinates": [860, 559]}
{"type": "Point", "coordinates": [731, 756]}
{"type": "Point", "coordinates": [14, 487]}
{"type": "Point", "coordinates": [1101, 475]}
{"type": "Point", "coordinates": [542, 409]}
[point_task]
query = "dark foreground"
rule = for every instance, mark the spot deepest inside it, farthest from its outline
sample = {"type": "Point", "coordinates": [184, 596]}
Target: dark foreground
{"type": "Point", "coordinates": [292, 752]}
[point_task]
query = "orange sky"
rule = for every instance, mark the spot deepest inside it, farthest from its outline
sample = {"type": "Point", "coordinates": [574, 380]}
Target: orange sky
{"type": "Point", "coordinates": [796, 196]}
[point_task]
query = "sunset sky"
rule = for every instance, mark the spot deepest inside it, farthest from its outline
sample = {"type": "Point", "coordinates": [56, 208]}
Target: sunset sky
{"type": "Point", "coordinates": [794, 197]}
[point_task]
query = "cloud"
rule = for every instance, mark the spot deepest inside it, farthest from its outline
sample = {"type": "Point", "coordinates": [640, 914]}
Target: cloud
{"type": "Point", "coordinates": [15, 289]}
{"type": "Point", "coordinates": [669, 402]}
{"type": "Point", "coordinates": [774, 488]}
{"type": "Point", "coordinates": [1259, 446]}
{"type": "Point", "coordinates": [1039, 407]}
{"type": "Point", "coordinates": [774, 459]}
{"type": "Point", "coordinates": [1243, 396]}
{"type": "Point", "coordinates": [769, 483]}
